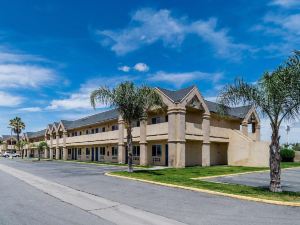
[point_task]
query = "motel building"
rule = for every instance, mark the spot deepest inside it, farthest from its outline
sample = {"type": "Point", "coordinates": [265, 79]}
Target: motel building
{"type": "Point", "coordinates": [187, 132]}
{"type": "Point", "coordinates": [8, 144]}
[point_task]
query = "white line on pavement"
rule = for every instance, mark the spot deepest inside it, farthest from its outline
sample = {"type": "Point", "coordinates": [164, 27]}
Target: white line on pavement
{"type": "Point", "coordinates": [109, 210]}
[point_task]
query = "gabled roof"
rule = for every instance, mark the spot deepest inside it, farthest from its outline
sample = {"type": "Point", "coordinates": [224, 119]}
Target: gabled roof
{"type": "Point", "coordinates": [8, 137]}
{"type": "Point", "coordinates": [176, 96]}
{"type": "Point", "coordinates": [90, 120]}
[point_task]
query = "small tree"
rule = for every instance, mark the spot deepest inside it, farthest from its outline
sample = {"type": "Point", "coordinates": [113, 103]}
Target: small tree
{"type": "Point", "coordinates": [132, 103]}
{"type": "Point", "coordinates": [42, 146]}
{"type": "Point", "coordinates": [21, 144]}
{"type": "Point", "coordinates": [277, 96]}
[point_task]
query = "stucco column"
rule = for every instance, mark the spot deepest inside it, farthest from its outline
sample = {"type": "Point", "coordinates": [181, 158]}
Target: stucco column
{"type": "Point", "coordinates": [121, 145]}
{"type": "Point", "coordinates": [28, 152]}
{"type": "Point", "coordinates": [206, 140]}
{"type": "Point", "coordinates": [245, 128]}
{"type": "Point", "coordinates": [257, 132]}
{"type": "Point", "coordinates": [172, 137]}
{"type": "Point", "coordinates": [180, 133]}
{"type": "Point", "coordinates": [144, 155]}
{"type": "Point", "coordinates": [51, 147]}
{"type": "Point", "coordinates": [65, 150]}
{"type": "Point", "coordinates": [57, 147]}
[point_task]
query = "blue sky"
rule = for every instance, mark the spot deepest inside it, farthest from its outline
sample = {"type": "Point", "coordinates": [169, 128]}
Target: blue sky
{"type": "Point", "coordinates": [53, 53]}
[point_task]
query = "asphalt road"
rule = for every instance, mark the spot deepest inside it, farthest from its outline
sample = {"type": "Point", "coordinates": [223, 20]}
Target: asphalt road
{"type": "Point", "coordinates": [290, 179]}
{"type": "Point", "coordinates": [180, 205]}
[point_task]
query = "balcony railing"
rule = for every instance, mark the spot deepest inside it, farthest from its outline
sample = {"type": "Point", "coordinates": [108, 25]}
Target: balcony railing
{"type": "Point", "coordinates": [103, 136]}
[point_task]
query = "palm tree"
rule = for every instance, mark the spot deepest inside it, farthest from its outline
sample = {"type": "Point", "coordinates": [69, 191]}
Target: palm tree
{"type": "Point", "coordinates": [132, 102]}
{"type": "Point", "coordinates": [277, 96]}
{"type": "Point", "coordinates": [17, 126]}
{"type": "Point", "coordinates": [42, 146]}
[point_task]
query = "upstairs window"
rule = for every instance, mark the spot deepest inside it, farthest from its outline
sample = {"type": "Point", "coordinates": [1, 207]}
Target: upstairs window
{"type": "Point", "coordinates": [87, 132]}
{"type": "Point", "coordinates": [156, 150]}
{"type": "Point", "coordinates": [155, 120]}
{"type": "Point", "coordinates": [96, 130]}
{"type": "Point", "coordinates": [114, 127]}
{"type": "Point", "coordinates": [93, 131]}
{"type": "Point", "coordinates": [103, 129]}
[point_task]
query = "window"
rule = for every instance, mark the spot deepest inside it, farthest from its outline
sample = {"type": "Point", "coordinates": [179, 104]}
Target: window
{"type": "Point", "coordinates": [96, 130]}
{"type": "Point", "coordinates": [136, 150]}
{"type": "Point", "coordinates": [69, 151]}
{"type": "Point", "coordinates": [102, 150]}
{"type": "Point", "coordinates": [166, 118]}
{"type": "Point", "coordinates": [138, 123]}
{"type": "Point", "coordinates": [156, 150]}
{"type": "Point", "coordinates": [87, 132]}
{"type": "Point", "coordinates": [103, 129]}
{"type": "Point", "coordinates": [93, 131]}
{"type": "Point", "coordinates": [87, 151]}
{"type": "Point", "coordinates": [155, 120]}
{"type": "Point", "coordinates": [114, 127]}
{"type": "Point", "coordinates": [114, 151]}
{"type": "Point", "coordinates": [75, 133]}
{"type": "Point", "coordinates": [79, 151]}
{"type": "Point", "coordinates": [80, 133]}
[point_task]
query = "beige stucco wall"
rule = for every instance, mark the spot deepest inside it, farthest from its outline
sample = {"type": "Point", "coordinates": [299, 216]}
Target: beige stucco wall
{"type": "Point", "coordinates": [297, 156]}
{"type": "Point", "coordinates": [218, 153]}
{"type": "Point", "coordinates": [243, 151]}
{"type": "Point", "coordinates": [224, 123]}
{"type": "Point", "coordinates": [193, 153]}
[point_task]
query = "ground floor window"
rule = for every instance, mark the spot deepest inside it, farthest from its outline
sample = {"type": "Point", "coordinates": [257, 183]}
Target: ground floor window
{"type": "Point", "coordinates": [87, 151]}
{"type": "Point", "coordinates": [156, 150]}
{"type": "Point", "coordinates": [79, 151]}
{"type": "Point", "coordinates": [136, 150]}
{"type": "Point", "coordinates": [69, 151]}
{"type": "Point", "coordinates": [102, 150]}
{"type": "Point", "coordinates": [114, 151]}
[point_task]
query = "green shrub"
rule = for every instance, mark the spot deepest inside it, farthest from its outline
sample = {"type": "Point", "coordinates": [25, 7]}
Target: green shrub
{"type": "Point", "coordinates": [287, 155]}
{"type": "Point", "coordinates": [296, 147]}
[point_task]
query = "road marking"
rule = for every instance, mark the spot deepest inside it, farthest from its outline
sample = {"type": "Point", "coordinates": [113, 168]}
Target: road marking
{"type": "Point", "coordinates": [112, 211]}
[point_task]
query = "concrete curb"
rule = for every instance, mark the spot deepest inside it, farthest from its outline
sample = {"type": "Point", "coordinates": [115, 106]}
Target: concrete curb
{"type": "Point", "coordinates": [240, 197]}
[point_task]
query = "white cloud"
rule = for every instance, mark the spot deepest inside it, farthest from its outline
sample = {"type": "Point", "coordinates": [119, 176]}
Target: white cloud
{"type": "Point", "coordinates": [178, 79]}
{"type": "Point", "coordinates": [141, 67]}
{"type": "Point", "coordinates": [9, 100]}
{"type": "Point", "coordinates": [124, 68]}
{"type": "Point", "coordinates": [148, 26]}
{"type": "Point", "coordinates": [31, 109]}
{"type": "Point", "coordinates": [285, 3]}
{"type": "Point", "coordinates": [80, 99]}
{"type": "Point", "coordinates": [25, 76]}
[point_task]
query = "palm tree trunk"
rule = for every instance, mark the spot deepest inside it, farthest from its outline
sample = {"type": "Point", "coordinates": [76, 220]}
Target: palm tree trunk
{"type": "Point", "coordinates": [39, 153]}
{"type": "Point", "coordinates": [129, 147]}
{"type": "Point", "coordinates": [22, 153]}
{"type": "Point", "coordinates": [275, 171]}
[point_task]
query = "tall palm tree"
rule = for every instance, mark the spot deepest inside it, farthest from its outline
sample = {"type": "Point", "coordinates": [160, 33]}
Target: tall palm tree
{"type": "Point", "coordinates": [277, 96]}
{"type": "Point", "coordinates": [17, 126]}
{"type": "Point", "coordinates": [42, 146]}
{"type": "Point", "coordinates": [132, 103]}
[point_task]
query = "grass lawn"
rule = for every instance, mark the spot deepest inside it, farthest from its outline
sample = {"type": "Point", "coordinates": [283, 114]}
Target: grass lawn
{"type": "Point", "coordinates": [183, 177]}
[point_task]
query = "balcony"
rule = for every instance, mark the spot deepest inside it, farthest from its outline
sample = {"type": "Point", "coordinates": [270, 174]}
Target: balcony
{"type": "Point", "coordinates": [193, 131]}
{"type": "Point", "coordinates": [99, 138]}
{"type": "Point", "coordinates": [219, 132]}
{"type": "Point", "coordinates": [157, 131]}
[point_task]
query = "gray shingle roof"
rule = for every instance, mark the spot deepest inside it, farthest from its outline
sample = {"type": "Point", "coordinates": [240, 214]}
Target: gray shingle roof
{"type": "Point", "coordinates": [177, 96]}
{"type": "Point", "coordinates": [40, 133]}
{"type": "Point", "coordinates": [7, 137]}
{"type": "Point", "coordinates": [94, 119]}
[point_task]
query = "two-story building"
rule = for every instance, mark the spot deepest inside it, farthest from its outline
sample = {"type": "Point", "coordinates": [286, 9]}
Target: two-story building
{"type": "Point", "coordinates": [188, 131]}
{"type": "Point", "coordinates": [8, 144]}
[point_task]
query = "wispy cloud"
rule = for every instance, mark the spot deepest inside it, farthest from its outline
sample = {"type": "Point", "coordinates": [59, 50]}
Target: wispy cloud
{"type": "Point", "coordinates": [285, 3]}
{"type": "Point", "coordinates": [10, 100]}
{"type": "Point", "coordinates": [124, 68]}
{"type": "Point", "coordinates": [30, 109]}
{"type": "Point", "coordinates": [179, 79]}
{"type": "Point", "coordinates": [148, 26]}
{"type": "Point", "coordinates": [80, 99]}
